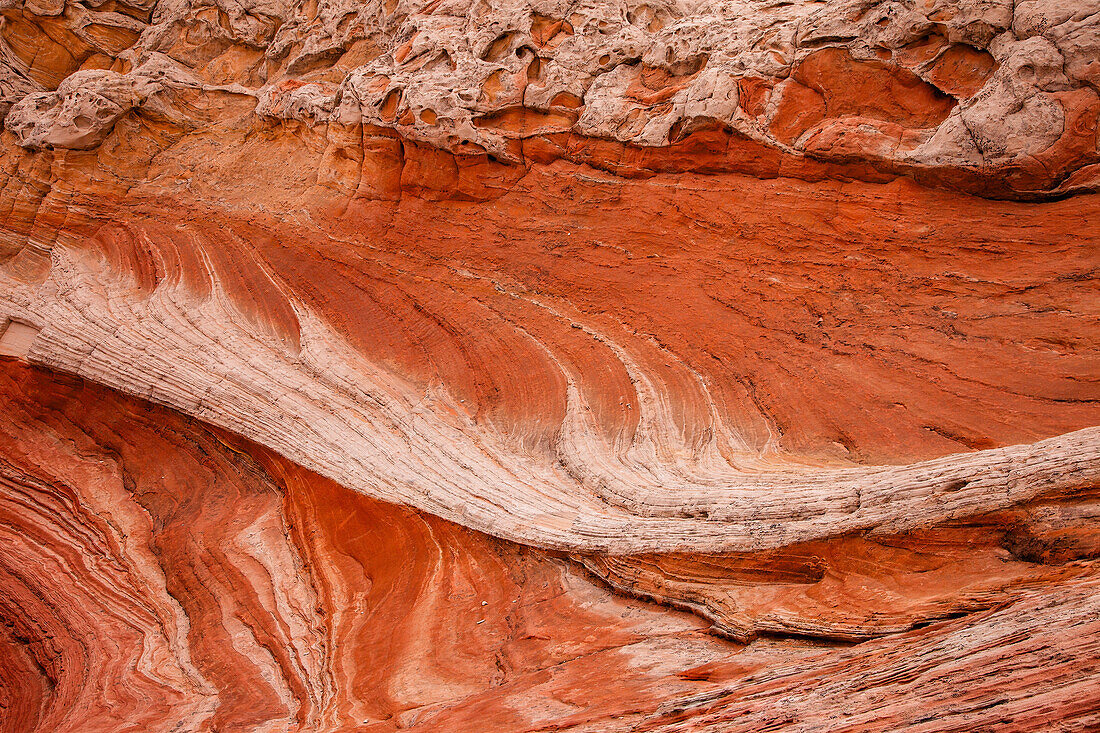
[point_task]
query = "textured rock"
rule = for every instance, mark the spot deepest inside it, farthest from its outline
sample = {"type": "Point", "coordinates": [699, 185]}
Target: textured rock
{"type": "Point", "coordinates": [162, 575]}
{"type": "Point", "coordinates": [159, 575]}
{"type": "Point", "coordinates": [532, 389]}
{"type": "Point", "coordinates": [853, 588]}
{"type": "Point", "coordinates": [782, 313]}
{"type": "Point", "coordinates": [972, 93]}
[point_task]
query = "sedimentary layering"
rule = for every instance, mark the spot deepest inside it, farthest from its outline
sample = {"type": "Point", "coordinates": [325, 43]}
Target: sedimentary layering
{"type": "Point", "coordinates": [782, 313]}
{"type": "Point", "coordinates": [160, 575]}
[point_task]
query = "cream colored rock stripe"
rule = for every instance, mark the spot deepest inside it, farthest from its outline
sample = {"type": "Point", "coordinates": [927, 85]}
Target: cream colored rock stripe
{"type": "Point", "coordinates": [330, 410]}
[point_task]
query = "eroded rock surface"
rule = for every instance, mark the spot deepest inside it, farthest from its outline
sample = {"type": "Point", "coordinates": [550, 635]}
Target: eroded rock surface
{"type": "Point", "coordinates": [992, 96]}
{"type": "Point", "coordinates": [781, 313]}
{"type": "Point", "coordinates": [165, 575]}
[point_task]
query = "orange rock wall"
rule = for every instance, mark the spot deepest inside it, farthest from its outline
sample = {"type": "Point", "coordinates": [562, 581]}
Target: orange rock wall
{"type": "Point", "coordinates": [590, 367]}
{"type": "Point", "coordinates": [162, 575]}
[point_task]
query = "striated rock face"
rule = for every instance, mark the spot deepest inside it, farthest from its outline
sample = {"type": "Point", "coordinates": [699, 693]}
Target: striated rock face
{"type": "Point", "coordinates": [723, 371]}
{"type": "Point", "coordinates": [161, 575]}
{"type": "Point", "coordinates": [784, 314]}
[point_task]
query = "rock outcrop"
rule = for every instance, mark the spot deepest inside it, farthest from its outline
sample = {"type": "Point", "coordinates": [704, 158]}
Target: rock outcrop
{"type": "Point", "coordinates": [784, 314]}
{"type": "Point", "coordinates": [162, 575]}
{"type": "Point", "coordinates": [990, 95]}
{"type": "Point", "coordinates": [684, 380]}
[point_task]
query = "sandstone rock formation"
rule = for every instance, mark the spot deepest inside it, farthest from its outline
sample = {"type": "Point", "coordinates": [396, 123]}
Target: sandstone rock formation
{"type": "Point", "coordinates": [162, 575]}
{"type": "Point", "coordinates": [781, 313]}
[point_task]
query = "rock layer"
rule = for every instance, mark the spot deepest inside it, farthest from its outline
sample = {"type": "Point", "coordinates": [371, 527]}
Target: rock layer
{"type": "Point", "coordinates": [163, 575]}
{"type": "Point", "coordinates": [782, 313]}
{"type": "Point", "coordinates": [595, 383]}
{"type": "Point", "coordinates": [994, 95]}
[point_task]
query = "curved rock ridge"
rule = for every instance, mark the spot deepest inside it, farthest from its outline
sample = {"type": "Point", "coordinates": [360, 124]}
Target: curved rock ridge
{"type": "Point", "coordinates": [163, 575]}
{"type": "Point", "coordinates": [997, 97]}
{"type": "Point", "coordinates": [381, 438]}
{"type": "Point", "coordinates": [512, 397]}
{"type": "Point", "coordinates": [855, 587]}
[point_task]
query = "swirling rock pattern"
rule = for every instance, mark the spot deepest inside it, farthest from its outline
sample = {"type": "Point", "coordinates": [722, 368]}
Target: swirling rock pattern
{"type": "Point", "coordinates": [781, 313]}
{"type": "Point", "coordinates": [674, 381]}
{"type": "Point", "coordinates": [162, 575]}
